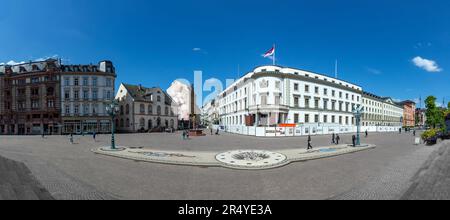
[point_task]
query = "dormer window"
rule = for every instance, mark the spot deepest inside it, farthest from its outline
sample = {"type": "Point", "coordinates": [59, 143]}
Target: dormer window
{"type": "Point", "coordinates": [35, 67]}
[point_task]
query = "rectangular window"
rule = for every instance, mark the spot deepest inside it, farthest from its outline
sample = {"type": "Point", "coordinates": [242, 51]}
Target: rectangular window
{"type": "Point", "coordinates": [307, 118]}
{"type": "Point", "coordinates": [296, 87]}
{"type": "Point", "coordinates": [94, 81]}
{"type": "Point", "coordinates": [333, 119]}
{"type": "Point", "coordinates": [316, 103]}
{"type": "Point", "coordinates": [306, 103]}
{"type": "Point", "coordinates": [325, 104]}
{"type": "Point", "coordinates": [85, 81]}
{"type": "Point", "coordinates": [76, 94]}
{"type": "Point", "coordinates": [333, 93]}
{"type": "Point", "coordinates": [94, 94]}
{"type": "Point", "coordinates": [76, 81]}
{"type": "Point", "coordinates": [86, 94]}
{"type": "Point", "coordinates": [316, 118]}
{"type": "Point", "coordinates": [306, 88]}
{"type": "Point", "coordinates": [325, 91]}
{"type": "Point", "coordinates": [67, 81]}
{"type": "Point", "coordinates": [67, 94]}
{"type": "Point", "coordinates": [263, 100]}
{"type": "Point", "coordinates": [296, 118]}
{"type": "Point", "coordinates": [296, 101]}
{"type": "Point", "coordinates": [325, 119]}
{"type": "Point", "coordinates": [277, 100]}
{"type": "Point", "coordinates": [316, 90]}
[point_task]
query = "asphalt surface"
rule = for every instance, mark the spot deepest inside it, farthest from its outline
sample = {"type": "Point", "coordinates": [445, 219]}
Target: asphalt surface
{"type": "Point", "coordinates": [74, 172]}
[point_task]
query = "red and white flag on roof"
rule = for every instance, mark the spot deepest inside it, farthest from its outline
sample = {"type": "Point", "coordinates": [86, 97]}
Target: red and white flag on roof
{"type": "Point", "coordinates": [269, 53]}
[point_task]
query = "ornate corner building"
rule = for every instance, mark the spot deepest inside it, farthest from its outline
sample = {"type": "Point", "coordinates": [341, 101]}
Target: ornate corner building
{"type": "Point", "coordinates": [30, 98]}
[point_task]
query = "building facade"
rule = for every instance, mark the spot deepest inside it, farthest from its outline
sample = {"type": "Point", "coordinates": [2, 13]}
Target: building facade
{"type": "Point", "coordinates": [210, 113]}
{"type": "Point", "coordinates": [85, 91]}
{"type": "Point", "coordinates": [145, 109]}
{"type": "Point", "coordinates": [381, 111]}
{"type": "Point", "coordinates": [279, 101]}
{"type": "Point", "coordinates": [421, 117]}
{"type": "Point", "coordinates": [409, 113]}
{"type": "Point", "coordinates": [273, 95]}
{"type": "Point", "coordinates": [30, 98]}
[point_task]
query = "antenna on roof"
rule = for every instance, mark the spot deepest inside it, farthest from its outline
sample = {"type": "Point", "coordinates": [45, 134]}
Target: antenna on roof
{"type": "Point", "coordinates": [238, 71]}
{"type": "Point", "coordinates": [336, 69]}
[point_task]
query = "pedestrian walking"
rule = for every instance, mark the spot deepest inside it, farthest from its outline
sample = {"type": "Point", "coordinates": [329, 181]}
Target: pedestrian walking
{"type": "Point", "coordinates": [367, 133]}
{"type": "Point", "coordinates": [333, 138]}
{"type": "Point", "coordinates": [217, 132]}
{"type": "Point", "coordinates": [337, 139]}
{"type": "Point", "coordinates": [400, 131]}
{"type": "Point", "coordinates": [211, 130]}
{"type": "Point", "coordinates": [184, 135]}
{"type": "Point", "coordinates": [94, 135]}
{"type": "Point", "coordinates": [414, 132]}
{"type": "Point", "coordinates": [71, 138]}
{"type": "Point", "coordinates": [354, 140]}
{"type": "Point", "coordinates": [309, 143]}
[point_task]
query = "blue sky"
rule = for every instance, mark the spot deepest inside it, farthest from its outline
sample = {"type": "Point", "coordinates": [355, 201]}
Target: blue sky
{"type": "Point", "coordinates": [152, 42]}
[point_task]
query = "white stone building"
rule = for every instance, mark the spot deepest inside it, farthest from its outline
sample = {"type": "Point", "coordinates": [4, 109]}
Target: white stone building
{"type": "Point", "coordinates": [84, 91]}
{"type": "Point", "coordinates": [381, 113]}
{"type": "Point", "coordinates": [145, 109]}
{"type": "Point", "coordinates": [271, 96]}
{"type": "Point", "coordinates": [210, 113]}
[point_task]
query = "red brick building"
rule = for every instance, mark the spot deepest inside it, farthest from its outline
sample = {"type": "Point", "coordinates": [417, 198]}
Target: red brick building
{"type": "Point", "coordinates": [409, 113]}
{"type": "Point", "coordinates": [29, 98]}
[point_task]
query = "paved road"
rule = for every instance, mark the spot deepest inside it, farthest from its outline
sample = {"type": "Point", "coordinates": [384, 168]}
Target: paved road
{"type": "Point", "coordinates": [73, 172]}
{"type": "Point", "coordinates": [17, 182]}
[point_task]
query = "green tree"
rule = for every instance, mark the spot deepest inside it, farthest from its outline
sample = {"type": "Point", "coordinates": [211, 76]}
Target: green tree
{"type": "Point", "coordinates": [435, 115]}
{"type": "Point", "coordinates": [448, 106]}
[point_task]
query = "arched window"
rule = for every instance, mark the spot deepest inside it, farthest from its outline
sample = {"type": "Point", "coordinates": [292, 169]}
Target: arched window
{"type": "Point", "coordinates": [150, 110]}
{"type": "Point", "coordinates": [122, 124]}
{"type": "Point", "coordinates": [142, 108]}
{"type": "Point", "coordinates": [121, 110]}
{"type": "Point", "coordinates": [158, 110]}
{"type": "Point", "coordinates": [127, 110]}
{"type": "Point", "coordinates": [128, 123]}
{"type": "Point", "coordinates": [166, 111]}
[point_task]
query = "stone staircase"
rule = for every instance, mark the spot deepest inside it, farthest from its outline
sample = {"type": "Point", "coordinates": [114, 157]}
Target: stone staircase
{"type": "Point", "coordinates": [18, 183]}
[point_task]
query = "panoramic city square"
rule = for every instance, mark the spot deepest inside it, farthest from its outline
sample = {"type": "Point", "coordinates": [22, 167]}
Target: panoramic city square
{"type": "Point", "coordinates": [73, 171]}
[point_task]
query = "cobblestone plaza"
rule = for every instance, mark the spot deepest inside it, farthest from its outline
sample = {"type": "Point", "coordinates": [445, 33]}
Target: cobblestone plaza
{"type": "Point", "coordinates": [74, 172]}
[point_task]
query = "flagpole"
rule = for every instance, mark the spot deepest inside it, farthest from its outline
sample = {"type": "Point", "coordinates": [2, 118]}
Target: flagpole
{"type": "Point", "coordinates": [274, 54]}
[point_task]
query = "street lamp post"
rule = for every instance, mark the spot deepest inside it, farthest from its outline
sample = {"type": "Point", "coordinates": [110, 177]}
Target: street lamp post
{"type": "Point", "coordinates": [358, 111]}
{"type": "Point", "coordinates": [112, 109]}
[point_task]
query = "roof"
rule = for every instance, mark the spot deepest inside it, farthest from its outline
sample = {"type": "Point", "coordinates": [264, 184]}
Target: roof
{"type": "Point", "coordinates": [143, 94]}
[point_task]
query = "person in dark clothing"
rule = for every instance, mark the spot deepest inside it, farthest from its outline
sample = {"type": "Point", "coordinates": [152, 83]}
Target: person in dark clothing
{"type": "Point", "coordinates": [367, 133]}
{"type": "Point", "coordinates": [337, 139]}
{"type": "Point", "coordinates": [211, 130]}
{"type": "Point", "coordinates": [309, 143]}
{"type": "Point", "coordinates": [354, 140]}
{"type": "Point", "coordinates": [400, 131]}
{"type": "Point", "coordinates": [94, 135]}
{"type": "Point", "coordinates": [217, 132]}
{"type": "Point", "coordinates": [414, 133]}
{"type": "Point", "coordinates": [333, 139]}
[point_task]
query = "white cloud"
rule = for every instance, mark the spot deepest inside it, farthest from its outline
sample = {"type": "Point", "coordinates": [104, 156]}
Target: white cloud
{"type": "Point", "coordinates": [374, 71]}
{"type": "Point", "coordinates": [12, 62]}
{"type": "Point", "coordinates": [428, 65]}
{"type": "Point", "coordinates": [196, 49]}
